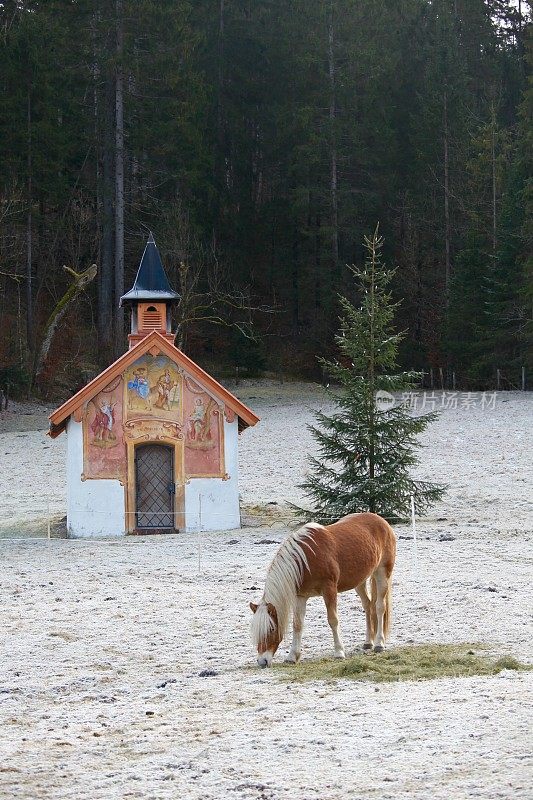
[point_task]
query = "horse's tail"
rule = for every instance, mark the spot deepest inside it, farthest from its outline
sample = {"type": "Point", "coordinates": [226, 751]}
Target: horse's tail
{"type": "Point", "coordinates": [387, 613]}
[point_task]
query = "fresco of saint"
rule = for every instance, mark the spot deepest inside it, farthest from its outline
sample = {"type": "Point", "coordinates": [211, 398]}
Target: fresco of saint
{"type": "Point", "coordinates": [153, 388]}
{"type": "Point", "coordinates": [102, 424]}
{"type": "Point", "coordinates": [138, 386]}
{"type": "Point", "coordinates": [104, 454]}
{"type": "Point", "coordinates": [199, 433]}
{"type": "Point", "coordinates": [164, 387]}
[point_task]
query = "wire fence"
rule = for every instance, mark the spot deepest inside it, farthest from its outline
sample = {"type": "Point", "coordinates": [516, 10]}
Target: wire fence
{"type": "Point", "coordinates": [43, 521]}
{"type": "Point", "coordinates": [508, 379]}
{"type": "Point", "coordinates": [49, 521]}
{"type": "Point", "coordinates": [450, 379]}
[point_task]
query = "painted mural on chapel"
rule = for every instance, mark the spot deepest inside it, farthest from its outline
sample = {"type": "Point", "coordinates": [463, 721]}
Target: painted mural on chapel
{"type": "Point", "coordinates": [204, 432]}
{"type": "Point", "coordinates": [153, 388]}
{"type": "Point", "coordinates": [154, 400]}
{"type": "Point", "coordinates": [104, 453]}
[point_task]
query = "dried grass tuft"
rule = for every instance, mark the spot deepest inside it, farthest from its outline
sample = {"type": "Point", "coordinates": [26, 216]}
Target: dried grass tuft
{"type": "Point", "coordinates": [418, 663]}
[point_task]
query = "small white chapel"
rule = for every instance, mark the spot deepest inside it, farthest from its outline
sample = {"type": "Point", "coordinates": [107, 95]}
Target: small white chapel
{"type": "Point", "coordinates": [152, 442]}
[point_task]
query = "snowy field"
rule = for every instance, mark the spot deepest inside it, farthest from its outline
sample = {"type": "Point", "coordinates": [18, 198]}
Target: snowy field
{"type": "Point", "coordinates": [105, 645]}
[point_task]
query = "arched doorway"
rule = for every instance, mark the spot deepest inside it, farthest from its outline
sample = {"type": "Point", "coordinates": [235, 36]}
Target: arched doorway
{"type": "Point", "coordinates": [154, 487]}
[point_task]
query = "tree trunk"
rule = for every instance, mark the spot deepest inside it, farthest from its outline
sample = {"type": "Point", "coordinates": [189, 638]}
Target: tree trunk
{"type": "Point", "coordinates": [96, 74]}
{"type": "Point", "coordinates": [333, 144]}
{"type": "Point", "coordinates": [104, 122]}
{"type": "Point", "coordinates": [493, 164]}
{"type": "Point", "coordinates": [220, 86]}
{"type": "Point", "coordinates": [520, 40]}
{"type": "Point", "coordinates": [318, 288]}
{"type": "Point", "coordinates": [372, 367]}
{"type": "Point", "coordinates": [119, 179]}
{"type": "Point", "coordinates": [105, 284]}
{"type": "Point", "coordinates": [29, 239]}
{"type": "Point", "coordinates": [295, 285]}
{"type": "Point", "coordinates": [220, 162]}
{"type": "Point", "coordinates": [447, 268]}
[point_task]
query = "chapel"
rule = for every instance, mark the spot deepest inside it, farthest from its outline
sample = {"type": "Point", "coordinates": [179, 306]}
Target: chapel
{"type": "Point", "coordinates": [152, 442]}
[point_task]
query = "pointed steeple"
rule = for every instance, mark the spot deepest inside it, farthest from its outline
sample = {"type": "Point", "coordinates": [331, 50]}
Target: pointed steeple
{"type": "Point", "coordinates": [151, 283]}
{"type": "Point", "coordinates": [150, 297]}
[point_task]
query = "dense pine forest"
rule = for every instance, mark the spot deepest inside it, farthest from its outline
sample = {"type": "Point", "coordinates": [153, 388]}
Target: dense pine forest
{"type": "Point", "coordinates": [260, 140]}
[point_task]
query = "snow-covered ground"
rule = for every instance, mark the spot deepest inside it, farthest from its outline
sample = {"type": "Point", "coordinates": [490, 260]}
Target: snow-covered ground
{"type": "Point", "coordinates": [104, 643]}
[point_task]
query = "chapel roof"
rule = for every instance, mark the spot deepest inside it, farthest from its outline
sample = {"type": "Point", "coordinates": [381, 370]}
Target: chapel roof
{"type": "Point", "coordinates": [155, 344]}
{"type": "Point", "coordinates": [151, 282]}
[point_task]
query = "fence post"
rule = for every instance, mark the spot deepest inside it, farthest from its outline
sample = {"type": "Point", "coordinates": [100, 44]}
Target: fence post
{"type": "Point", "coordinates": [441, 375]}
{"type": "Point", "coordinates": [523, 379]}
{"type": "Point", "coordinates": [199, 533]}
{"type": "Point", "coordinates": [453, 381]}
{"type": "Point", "coordinates": [498, 376]}
{"type": "Point", "coordinates": [431, 384]}
{"type": "Point", "coordinates": [413, 525]}
{"type": "Point", "coordinates": [48, 526]}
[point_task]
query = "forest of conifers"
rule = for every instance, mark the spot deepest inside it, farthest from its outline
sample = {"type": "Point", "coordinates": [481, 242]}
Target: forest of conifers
{"type": "Point", "coordinates": [260, 140]}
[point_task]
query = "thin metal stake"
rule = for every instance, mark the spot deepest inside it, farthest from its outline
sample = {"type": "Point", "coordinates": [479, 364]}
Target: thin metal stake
{"type": "Point", "coordinates": [49, 532]}
{"type": "Point", "coordinates": [199, 533]}
{"type": "Point", "coordinates": [413, 524]}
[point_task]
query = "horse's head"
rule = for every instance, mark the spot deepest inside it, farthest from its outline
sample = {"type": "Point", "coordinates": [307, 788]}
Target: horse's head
{"type": "Point", "coordinates": [266, 634]}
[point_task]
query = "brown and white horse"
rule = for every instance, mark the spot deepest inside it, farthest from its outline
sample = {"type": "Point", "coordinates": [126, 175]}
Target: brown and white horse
{"type": "Point", "coordinates": [324, 560]}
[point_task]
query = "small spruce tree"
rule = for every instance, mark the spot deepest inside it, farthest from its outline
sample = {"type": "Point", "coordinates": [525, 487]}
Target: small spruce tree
{"type": "Point", "coordinates": [366, 450]}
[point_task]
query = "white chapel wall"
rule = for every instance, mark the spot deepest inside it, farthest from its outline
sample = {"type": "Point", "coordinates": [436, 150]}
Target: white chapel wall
{"type": "Point", "coordinates": [212, 504]}
{"type": "Point", "coordinates": [94, 507]}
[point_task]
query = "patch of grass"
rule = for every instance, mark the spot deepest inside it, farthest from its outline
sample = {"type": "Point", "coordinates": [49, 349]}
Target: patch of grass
{"type": "Point", "coordinates": [422, 662]}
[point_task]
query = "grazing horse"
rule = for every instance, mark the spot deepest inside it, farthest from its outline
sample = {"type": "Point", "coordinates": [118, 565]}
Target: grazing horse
{"type": "Point", "coordinates": [324, 560]}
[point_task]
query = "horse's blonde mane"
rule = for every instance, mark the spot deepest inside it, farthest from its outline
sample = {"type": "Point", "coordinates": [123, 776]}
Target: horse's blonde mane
{"type": "Point", "coordinates": [283, 580]}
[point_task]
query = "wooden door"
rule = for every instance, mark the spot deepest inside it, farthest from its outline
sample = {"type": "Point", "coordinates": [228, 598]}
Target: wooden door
{"type": "Point", "coordinates": [154, 486]}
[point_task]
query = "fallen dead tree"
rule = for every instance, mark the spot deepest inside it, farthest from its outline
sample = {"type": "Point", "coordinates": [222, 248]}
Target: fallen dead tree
{"type": "Point", "coordinates": [80, 281]}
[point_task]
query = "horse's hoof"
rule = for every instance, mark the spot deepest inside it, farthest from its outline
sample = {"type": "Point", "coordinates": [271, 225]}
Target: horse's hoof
{"type": "Point", "coordinates": [291, 660]}
{"type": "Point", "coordinates": [367, 646]}
{"type": "Point", "coordinates": [379, 648]}
{"type": "Point", "coordinates": [340, 656]}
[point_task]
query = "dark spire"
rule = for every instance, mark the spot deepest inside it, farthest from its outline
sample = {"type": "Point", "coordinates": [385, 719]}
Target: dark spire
{"type": "Point", "coordinates": [151, 282]}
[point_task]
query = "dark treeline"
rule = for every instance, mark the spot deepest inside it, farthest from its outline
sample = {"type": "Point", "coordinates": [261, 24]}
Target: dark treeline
{"type": "Point", "coordinates": [259, 140]}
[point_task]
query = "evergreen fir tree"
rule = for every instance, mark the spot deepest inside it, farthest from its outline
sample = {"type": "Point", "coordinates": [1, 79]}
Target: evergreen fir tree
{"type": "Point", "coordinates": [366, 451]}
